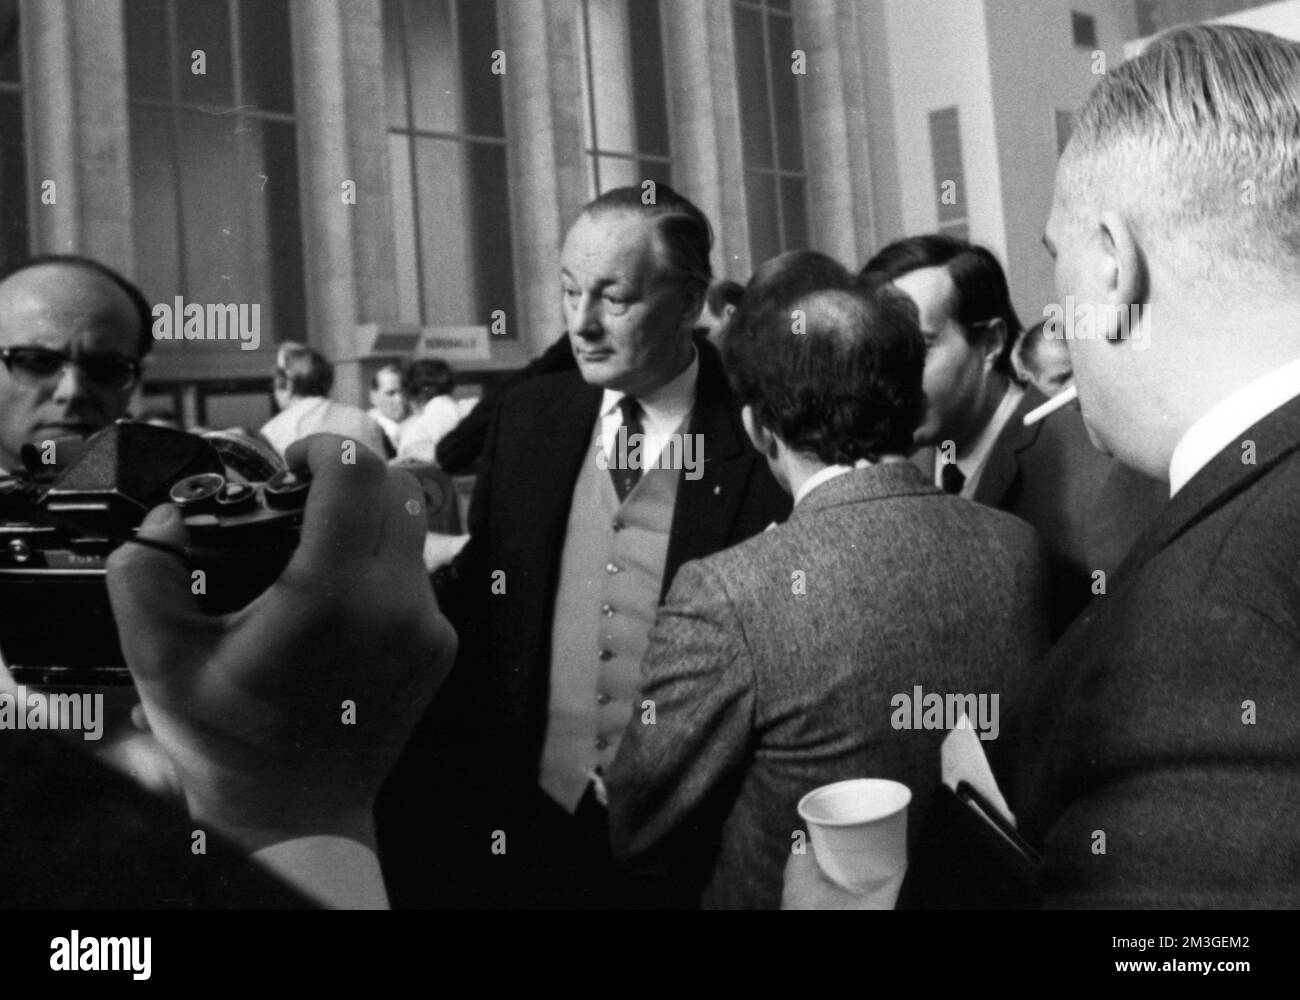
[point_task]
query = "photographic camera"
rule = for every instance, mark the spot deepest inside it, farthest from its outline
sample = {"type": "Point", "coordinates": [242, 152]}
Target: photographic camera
{"type": "Point", "coordinates": [79, 500]}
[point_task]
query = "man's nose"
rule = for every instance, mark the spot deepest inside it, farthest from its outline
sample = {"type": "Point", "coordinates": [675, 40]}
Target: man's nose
{"type": "Point", "coordinates": [587, 318]}
{"type": "Point", "coordinates": [72, 385]}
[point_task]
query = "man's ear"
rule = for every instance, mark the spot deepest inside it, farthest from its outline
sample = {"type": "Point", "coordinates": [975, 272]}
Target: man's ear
{"type": "Point", "coordinates": [1124, 275]}
{"type": "Point", "coordinates": [763, 440]}
{"type": "Point", "coordinates": [995, 339]}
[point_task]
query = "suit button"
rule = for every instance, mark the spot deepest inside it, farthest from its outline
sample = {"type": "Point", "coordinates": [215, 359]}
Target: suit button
{"type": "Point", "coordinates": [611, 568]}
{"type": "Point", "coordinates": [617, 526]}
{"type": "Point", "coordinates": [607, 610]}
{"type": "Point", "coordinates": [602, 698]}
{"type": "Point", "coordinates": [602, 743]}
{"type": "Point", "coordinates": [606, 654]}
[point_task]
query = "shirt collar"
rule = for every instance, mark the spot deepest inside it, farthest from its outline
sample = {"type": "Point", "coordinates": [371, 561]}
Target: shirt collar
{"type": "Point", "coordinates": [971, 464]}
{"type": "Point", "coordinates": [1228, 419]}
{"type": "Point", "coordinates": [668, 405]}
{"type": "Point", "coordinates": [825, 476]}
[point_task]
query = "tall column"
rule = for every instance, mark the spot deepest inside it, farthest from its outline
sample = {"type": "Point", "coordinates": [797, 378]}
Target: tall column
{"type": "Point", "coordinates": [349, 252]}
{"type": "Point", "coordinates": [836, 147]}
{"type": "Point", "coordinates": [704, 123]}
{"type": "Point", "coordinates": [74, 59]}
{"type": "Point", "coordinates": [545, 161]}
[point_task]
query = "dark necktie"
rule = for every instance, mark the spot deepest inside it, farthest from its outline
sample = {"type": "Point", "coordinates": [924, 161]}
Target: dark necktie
{"type": "Point", "coordinates": [625, 479]}
{"type": "Point", "coordinates": [951, 478]}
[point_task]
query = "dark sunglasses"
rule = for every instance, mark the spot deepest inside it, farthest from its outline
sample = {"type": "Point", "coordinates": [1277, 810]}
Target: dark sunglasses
{"type": "Point", "coordinates": [39, 364]}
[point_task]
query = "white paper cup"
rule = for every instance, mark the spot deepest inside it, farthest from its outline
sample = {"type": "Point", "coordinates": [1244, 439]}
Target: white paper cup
{"type": "Point", "coordinates": [858, 830]}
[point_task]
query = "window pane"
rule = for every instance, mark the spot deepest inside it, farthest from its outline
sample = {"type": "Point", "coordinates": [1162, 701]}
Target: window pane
{"type": "Point", "coordinates": [149, 71]}
{"type": "Point", "coordinates": [482, 87]}
{"type": "Point", "coordinates": [204, 26]}
{"type": "Point", "coordinates": [778, 4]}
{"type": "Point", "coordinates": [265, 47]}
{"type": "Point", "coordinates": [10, 50]}
{"type": "Point", "coordinates": [431, 51]}
{"type": "Point", "coordinates": [789, 140]}
{"type": "Point", "coordinates": [760, 200]}
{"type": "Point", "coordinates": [648, 77]}
{"type": "Point", "coordinates": [617, 171]}
{"type": "Point", "coordinates": [490, 225]}
{"type": "Point", "coordinates": [444, 246]}
{"type": "Point", "coordinates": [395, 63]}
{"type": "Point", "coordinates": [751, 81]}
{"type": "Point", "coordinates": [408, 282]}
{"type": "Point", "coordinates": [608, 52]}
{"type": "Point", "coordinates": [657, 171]}
{"type": "Point", "coordinates": [157, 255]}
{"type": "Point", "coordinates": [13, 182]}
{"type": "Point", "coordinates": [794, 213]}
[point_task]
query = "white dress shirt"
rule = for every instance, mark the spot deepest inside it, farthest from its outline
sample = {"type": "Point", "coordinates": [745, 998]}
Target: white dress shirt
{"type": "Point", "coordinates": [1228, 419]}
{"type": "Point", "coordinates": [972, 462]}
{"type": "Point", "coordinates": [664, 412]}
{"type": "Point", "coordinates": [422, 432]}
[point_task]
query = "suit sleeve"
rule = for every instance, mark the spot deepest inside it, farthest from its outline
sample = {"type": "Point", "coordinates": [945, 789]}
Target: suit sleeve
{"type": "Point", "coordinates": [674, 779]}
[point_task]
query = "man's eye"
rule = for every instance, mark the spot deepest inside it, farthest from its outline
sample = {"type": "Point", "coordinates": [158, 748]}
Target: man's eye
{"type": "Point", "coordinates": [617, 304]}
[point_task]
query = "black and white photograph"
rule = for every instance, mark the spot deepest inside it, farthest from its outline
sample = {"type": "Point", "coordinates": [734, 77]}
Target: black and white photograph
{"type": "Point", "coordinates": [607, 456]}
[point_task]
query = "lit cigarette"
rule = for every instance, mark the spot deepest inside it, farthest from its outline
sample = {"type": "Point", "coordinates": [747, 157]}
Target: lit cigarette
{"type": "Point", "coordinates": [1063, 398]}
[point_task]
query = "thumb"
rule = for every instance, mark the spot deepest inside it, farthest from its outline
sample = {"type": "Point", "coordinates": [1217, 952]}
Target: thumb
{"type": "Point", "coordinates": [150, 592]}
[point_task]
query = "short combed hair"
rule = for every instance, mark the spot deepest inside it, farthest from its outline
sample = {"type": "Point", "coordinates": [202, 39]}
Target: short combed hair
{"type": "Point", "coordinates": [392, 368]}
{"type": "Point", "coordinates": [138, 301]}
{"type": "Point", "coordinates": [980, 283]}
{"type": "Point", "coordinates": [304, 371]}
{"type": "Point", "coordinates": [845, 384]}
{"type": "Point", "coordinates": [424, 378]}
{"type": "Point", "coordinates": [1197, 138]}
{"type": "Point", "coordinates": [683, 232]}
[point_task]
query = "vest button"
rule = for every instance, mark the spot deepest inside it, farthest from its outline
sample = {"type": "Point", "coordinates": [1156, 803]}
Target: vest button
{"type": "Point", "coordinates": [607, 610]}
{"type": "Point", "coordinates": [611, 568]}
{"type": "Point", "coordinates": [602, 743]}
{"type": "Point", "coordinates": [617, 525]}
{"type": "Point", "coordinates": [606, 654]}
{"type": "Point", "coordinates": [602, 698]}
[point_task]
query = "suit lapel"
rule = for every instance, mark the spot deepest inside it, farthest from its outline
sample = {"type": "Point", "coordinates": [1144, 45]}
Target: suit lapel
{"type": "Point", "coordinates": [1003, 463]}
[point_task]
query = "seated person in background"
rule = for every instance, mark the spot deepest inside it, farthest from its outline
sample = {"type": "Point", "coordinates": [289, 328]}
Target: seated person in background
{"type": "Point", "coordinates": [252, 711]}
{"type": "Point", "coordinates": [387, 404]}
{"type": "Point", "coordinates": [427, 383]}
{"type": "Point", "coordinates": [773, 665]}
{"type": "Point", "coordinates": [1043, 362]}
{"type": "Point", "coordinates": [303, 379]}
{"type": "Point", "coordinates": [458, 452]}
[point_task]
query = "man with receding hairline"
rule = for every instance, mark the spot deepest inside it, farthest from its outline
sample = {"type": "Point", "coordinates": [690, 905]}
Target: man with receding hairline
{"type": "Point", "coordinates": [574, 540]}
{"type": "Point", "coordinates": [773, 665]}
{"type": "Point", "coordinates": [1168, 726]}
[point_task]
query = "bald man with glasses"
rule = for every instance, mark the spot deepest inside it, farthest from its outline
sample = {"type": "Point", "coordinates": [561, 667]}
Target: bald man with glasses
{"type": "Point", "coordinates": [73, 334]}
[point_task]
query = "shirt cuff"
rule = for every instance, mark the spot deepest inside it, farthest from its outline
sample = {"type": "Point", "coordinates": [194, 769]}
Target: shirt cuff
{"type": "Point", "coordinates": [337, 872]}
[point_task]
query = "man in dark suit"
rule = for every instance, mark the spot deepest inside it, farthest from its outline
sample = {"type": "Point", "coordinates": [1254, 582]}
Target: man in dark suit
{"type": "Point", "coordinates": [973, 437]}
{"type": "Point", "coordinates": [776, 666]}
{"type": "Point", "coordinates": [1161, 764]}
{"type": "Point", "coordinates": [598, 484]}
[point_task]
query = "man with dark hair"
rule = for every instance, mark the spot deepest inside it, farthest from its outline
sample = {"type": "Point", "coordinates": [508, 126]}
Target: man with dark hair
{"type": "Point", "coordinates": [427, 383]}
{"type": "Point", "coordinates": [73, 335]}
{"type": "Point", "coordinates": [773, 666]}
{"type": "Point", "coordinates": [598, 484]}
{"type": "Point", "coordinates": [303, 379]}
{"type": "Point", "coordinates": [1048, 473]}
{"type": "Point", "coordinates": [388, 407]}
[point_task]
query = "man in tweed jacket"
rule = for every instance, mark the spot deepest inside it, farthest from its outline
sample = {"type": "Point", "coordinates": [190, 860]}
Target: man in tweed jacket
{"type": "Point", "coordinates": [774, 666]}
